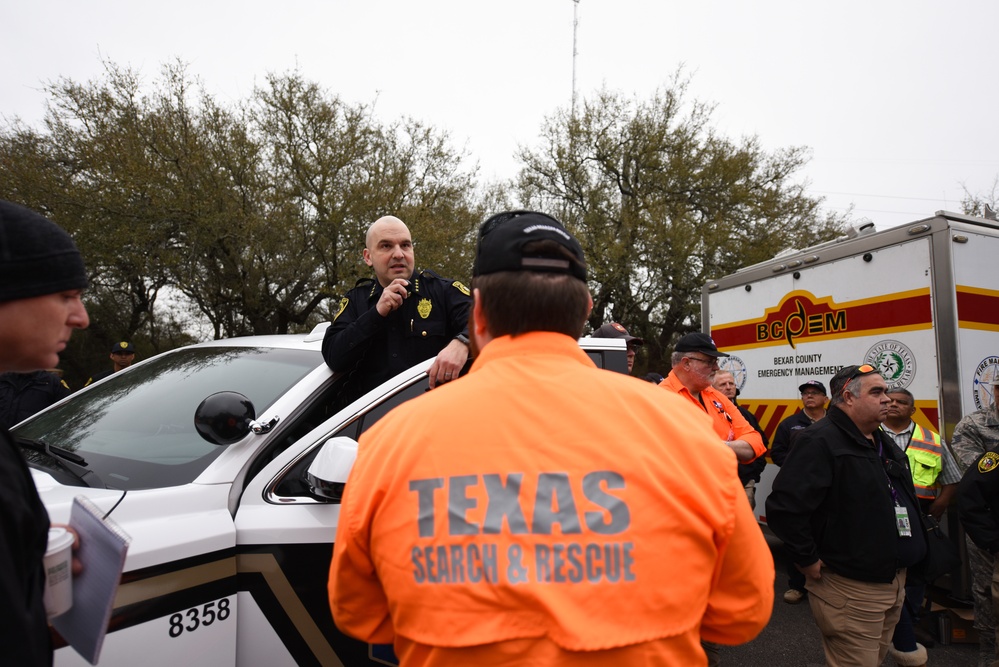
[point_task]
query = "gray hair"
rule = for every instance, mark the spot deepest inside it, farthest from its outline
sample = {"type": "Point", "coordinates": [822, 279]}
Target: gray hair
{"type": "Point", "coordinates": [853, 386]}
{"type": "Point", "coordinates": [904, 391]}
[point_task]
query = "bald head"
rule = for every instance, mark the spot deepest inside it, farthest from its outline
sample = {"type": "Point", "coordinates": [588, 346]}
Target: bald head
{"type": "Point", "coordinates": [388, 249]}
{"type": "Point", "coordinates": [386, 221]}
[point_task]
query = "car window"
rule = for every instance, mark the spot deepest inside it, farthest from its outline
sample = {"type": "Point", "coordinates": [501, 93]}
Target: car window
{"type": "Point", "coordinates": [615, 360]}
{"type": "Point", "coordinates": [136, 429]}
{"type": "Point", "coordinates": [392, 402]}
{"type": "Point", "coordinates": [292, 483]}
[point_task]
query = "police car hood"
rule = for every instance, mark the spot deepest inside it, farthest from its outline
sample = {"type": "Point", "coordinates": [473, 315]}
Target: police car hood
{"type": "Point", "coordinates": [58, 498]}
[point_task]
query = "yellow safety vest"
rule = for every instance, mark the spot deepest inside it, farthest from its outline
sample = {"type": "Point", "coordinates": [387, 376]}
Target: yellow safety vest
{"type": "Point", "coordinates": [925, 452]}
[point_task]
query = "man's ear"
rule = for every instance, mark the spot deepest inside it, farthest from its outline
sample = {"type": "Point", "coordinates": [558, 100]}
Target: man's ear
{"type": "Point", "coordinates": [478, 323]}
{"type": "Point", "coordinates": [848, 398]}
{"type": "Point", "coordinates": [367, 257]}
{"type": "Point", "coordinates": [478, 326]}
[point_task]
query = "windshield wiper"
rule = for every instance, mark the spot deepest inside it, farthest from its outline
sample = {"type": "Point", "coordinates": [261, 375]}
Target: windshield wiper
{"type": "Point", "coordinates": [68, 460]}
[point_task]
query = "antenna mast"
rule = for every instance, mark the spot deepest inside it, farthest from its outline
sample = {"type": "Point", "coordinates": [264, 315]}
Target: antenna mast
{"type": "Point", "coordinates": [575, 25]}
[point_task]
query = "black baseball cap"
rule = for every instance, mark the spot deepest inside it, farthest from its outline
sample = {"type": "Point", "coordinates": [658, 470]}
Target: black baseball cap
{"type": "Point", "coordinates": [615, 330]}
{"type": "Point", "coordinates": [503, 236]}
{"type": "Point", "coordinates": [123, 347]}
{"type": "Point", "coordinates": [699, 342]}
{"type": "Point", "coordinates": [813, 384]}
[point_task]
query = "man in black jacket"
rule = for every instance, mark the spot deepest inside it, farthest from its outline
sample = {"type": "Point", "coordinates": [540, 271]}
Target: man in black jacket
{"type": "Point", "coordinates": [41, 281]}
{"type": "Point", "coordinates": [813, 408]}
{"type": "Point", "coordinates": [844, 505]}
{"type": "Point", "coordinates": [978, 503]}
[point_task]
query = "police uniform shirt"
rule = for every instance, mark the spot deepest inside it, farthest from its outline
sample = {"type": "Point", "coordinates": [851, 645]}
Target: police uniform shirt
{"type": "Point", "coordinates": [978, 501]}
{"type": "Point", "coordinates": [24, 394]}
{"type": "Point", "coordinates": [376, 348]}
{"type": "Point", "coordinates": [98, 376]}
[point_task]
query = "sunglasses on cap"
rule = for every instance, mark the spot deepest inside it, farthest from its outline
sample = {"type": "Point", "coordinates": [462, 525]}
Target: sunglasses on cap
{"type": "Point", "coordinates": [865, 369]}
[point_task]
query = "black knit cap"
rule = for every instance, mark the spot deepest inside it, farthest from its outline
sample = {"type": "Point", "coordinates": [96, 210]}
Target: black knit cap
{"type": "Point", "coordinates": [36, 256]}
{"type": "Point", "coordinates": [503, 236]}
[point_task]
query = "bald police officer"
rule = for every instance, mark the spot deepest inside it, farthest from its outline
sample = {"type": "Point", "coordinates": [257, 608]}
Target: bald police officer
{"type": "Point", "coordinates": [386, 325]}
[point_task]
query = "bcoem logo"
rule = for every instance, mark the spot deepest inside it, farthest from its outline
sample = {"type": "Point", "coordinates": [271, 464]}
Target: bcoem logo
{"type": "Point", "coordinates": [798, 317]}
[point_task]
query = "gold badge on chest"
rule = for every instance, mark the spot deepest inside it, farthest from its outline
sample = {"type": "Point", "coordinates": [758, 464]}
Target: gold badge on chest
{"type": "Point", "coordinates": [424, 308]}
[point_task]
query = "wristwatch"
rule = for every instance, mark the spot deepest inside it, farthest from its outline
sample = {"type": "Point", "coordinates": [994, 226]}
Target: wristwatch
{"type": "Point", "coordinates": [462, 337]}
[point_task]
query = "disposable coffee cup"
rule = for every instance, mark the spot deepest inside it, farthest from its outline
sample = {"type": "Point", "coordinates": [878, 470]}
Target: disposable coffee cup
{"type": "Point", "coordinates": [59, 572]}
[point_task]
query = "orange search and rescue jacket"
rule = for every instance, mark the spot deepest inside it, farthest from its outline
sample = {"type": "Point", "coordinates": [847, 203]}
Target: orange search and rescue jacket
{"type": "Point", "coordinates": [542, 511]}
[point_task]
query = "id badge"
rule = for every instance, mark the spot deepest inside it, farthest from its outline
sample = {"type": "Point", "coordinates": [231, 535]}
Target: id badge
{"type": "Point", "coordinates": [902, 521]}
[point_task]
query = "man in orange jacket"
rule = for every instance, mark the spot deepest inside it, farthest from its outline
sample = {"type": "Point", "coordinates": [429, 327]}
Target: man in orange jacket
{"type": "Point", "coordinates": [541, 511]}
{"type": "Point", "coordinates": [695, 359]}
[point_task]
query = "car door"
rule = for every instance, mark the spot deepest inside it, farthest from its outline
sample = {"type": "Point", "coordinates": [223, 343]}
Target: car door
{"type": "Point", "coordinates": [284, 539]}
{"type": "Point", "coordinates": [176, 602]}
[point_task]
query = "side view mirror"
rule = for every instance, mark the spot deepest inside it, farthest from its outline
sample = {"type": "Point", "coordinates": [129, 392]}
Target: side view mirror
{"type": "Point", "coordinates": [327, 476]}
{"type": "Point", "coordinates": [224, 418]}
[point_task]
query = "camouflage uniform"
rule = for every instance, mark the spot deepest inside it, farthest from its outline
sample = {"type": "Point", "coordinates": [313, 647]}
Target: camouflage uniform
{"type": "Point", "coordinates": [974, 435]}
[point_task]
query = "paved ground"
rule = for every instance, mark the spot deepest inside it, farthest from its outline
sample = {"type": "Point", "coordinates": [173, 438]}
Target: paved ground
{"type": "Point", "coordinates": [792, 639]}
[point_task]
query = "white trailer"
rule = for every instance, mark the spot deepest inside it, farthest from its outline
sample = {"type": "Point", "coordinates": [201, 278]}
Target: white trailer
{"type": "Point", "coordinates": [920, 302]}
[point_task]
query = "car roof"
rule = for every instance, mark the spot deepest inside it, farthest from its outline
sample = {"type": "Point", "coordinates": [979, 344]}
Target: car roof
{"type": "Point", "coordinates": [310, 341]}
{"type": "Point", "coordinates": [313, 341]}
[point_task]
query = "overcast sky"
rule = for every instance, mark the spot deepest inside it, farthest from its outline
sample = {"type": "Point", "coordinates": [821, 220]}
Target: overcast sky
{"type": "Point", "coordinates": [898, 101]}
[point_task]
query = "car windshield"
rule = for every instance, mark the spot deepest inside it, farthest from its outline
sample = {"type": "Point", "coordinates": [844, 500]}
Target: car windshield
{"type": "Point", "coordinates": [136, 429]}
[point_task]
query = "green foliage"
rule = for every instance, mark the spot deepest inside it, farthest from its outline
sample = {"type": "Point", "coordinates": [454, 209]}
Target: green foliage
{"type": "Point", "coordinates": [662, 203]}
{"type": "Point", "coordinates": [251, 213]}
{"type": "Point", "coordinates": [248, 217]}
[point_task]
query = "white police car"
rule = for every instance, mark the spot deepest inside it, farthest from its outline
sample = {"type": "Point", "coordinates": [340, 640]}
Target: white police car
{"type": "Point", "coordinates": [231, 535]}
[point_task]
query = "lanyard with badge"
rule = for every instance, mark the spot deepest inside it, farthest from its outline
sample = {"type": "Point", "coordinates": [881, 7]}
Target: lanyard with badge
{"type": "Point", "coordinates": [902, 523]}
{"type": "Point", "coordinates": [721, 410]}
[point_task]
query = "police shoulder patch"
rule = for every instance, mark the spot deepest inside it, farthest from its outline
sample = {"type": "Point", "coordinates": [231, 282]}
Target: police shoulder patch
{"type": "Point", "coordinates": [988, 462]}
{"type": "Point", "coordinates": [461, 288]}
{"type": "Point", "coordinates": [343, 306]}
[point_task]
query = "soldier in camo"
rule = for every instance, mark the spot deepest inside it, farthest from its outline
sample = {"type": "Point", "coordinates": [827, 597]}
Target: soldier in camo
{"type": "Point", "coordinates": [974, 435]}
